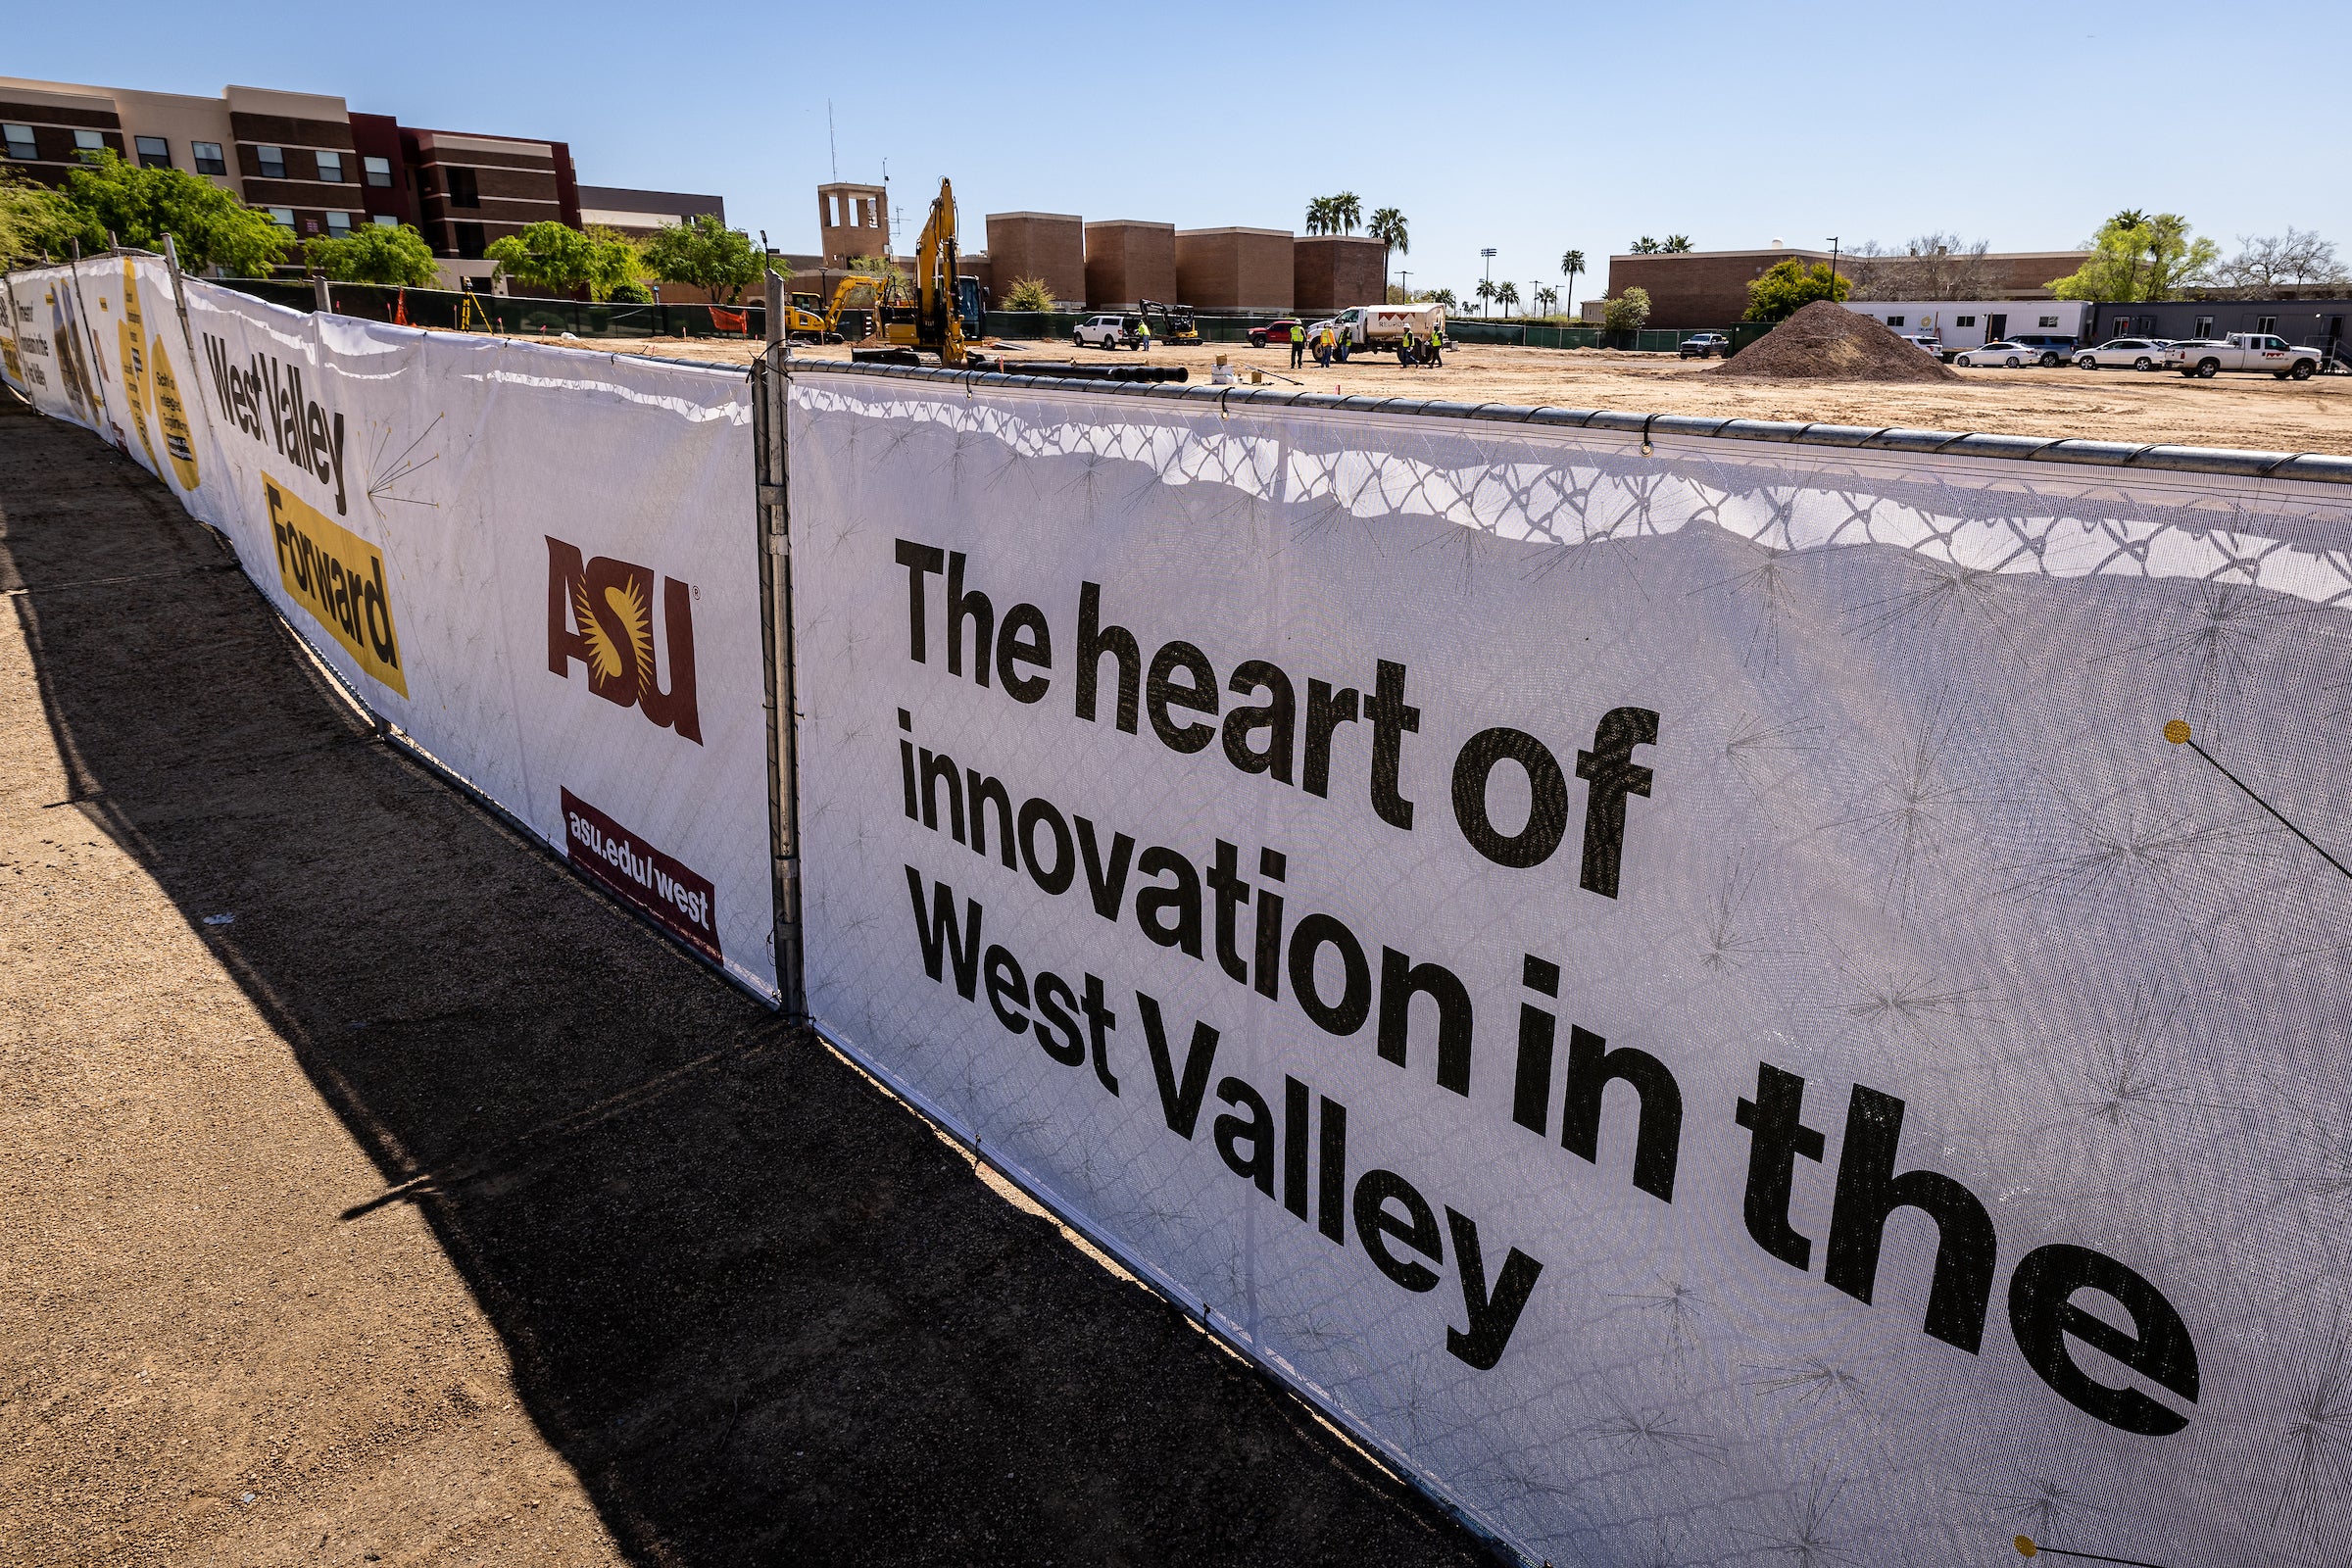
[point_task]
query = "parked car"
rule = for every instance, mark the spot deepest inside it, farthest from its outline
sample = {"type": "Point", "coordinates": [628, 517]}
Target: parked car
{"type": "Point", "coordinates": [2136, 352]}
{"type": "Point", "coordinates": [1383, 327]}
{"type": "Point", "coordinates": [1276, 331]}
{"type": "Point", "coordinates": [2243, 351]}
{"type": "Point", "coordinates": [2051, 352]}
{"type": "Point", "coordinates": [1926, 345]}
{"type": "Point", "coordinates": [2003, 353]}
{"type": "Point", "coordinates": [1705, 345]}
{"type": "Point", "coordinates": [1106, 332]}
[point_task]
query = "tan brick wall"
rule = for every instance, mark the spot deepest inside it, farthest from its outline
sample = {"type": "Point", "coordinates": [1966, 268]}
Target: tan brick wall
{"type": "Point", "coordinates": [1047, 245]}
{"type": "Point", "coordinates": [1333, 271]}
{"type": "Point", "coordinates": [1129, 260]}
{"type": "Point", "coordinates": [1234, 268]}
{"type": "Point", "coordinates": [1703, 288]}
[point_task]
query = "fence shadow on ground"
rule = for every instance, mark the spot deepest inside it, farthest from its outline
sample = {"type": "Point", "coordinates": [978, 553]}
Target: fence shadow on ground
{"type": "Point", "coordinates": [764, 1315]}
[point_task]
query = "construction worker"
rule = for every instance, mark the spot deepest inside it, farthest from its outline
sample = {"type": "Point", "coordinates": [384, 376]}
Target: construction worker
{"type": "Point", "coordinates": [1404, 349]}
{"type": "Point", "coordinates": [1437, 346]}
{"type": "Point", "coordinates": [1297, 346]}
{"type": "Point", "coordinates": [1143, 334]}
{"type": "Point", "coordinates": [1323, 347]}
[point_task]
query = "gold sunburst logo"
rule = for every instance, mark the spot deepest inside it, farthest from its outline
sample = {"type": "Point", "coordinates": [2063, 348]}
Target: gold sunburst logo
{"type": "Point", "coordinates": [629, 606]}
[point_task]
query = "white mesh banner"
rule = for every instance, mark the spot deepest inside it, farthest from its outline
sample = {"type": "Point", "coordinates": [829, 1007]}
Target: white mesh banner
{"type": "Point", "coordinates": [540, 564]}
{"type": "Point", "coordinates": [1686, 996]}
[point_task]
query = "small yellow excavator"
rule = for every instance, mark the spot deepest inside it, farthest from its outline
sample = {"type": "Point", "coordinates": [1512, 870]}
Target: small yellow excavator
{"type": "Point", "coordinates": [824, 327]}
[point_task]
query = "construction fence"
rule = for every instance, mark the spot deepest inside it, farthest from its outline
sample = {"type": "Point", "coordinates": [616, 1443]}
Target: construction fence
{"type": "Point", "coordinates": [1707, 989]}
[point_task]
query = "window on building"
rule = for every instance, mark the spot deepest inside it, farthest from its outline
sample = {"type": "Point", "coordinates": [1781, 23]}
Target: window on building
{"type": "Point", "coordinates": [273, 161]}
{"type": "Point", "coordinates": [464, 189]}
{"type": "Point", "coordinates": [89, 145]}
{"type": "Point", "coordinates": [1895, 320]}
{"type": "Point", "coordinates": [1964, 321]}
{"type": "Point", "coordinates": [379, 172]}
{"type": "Point", "coordinates": [2204, 327]}
{"type": "Point", "coordinates": [208, 158]}
{"type": "Point", "coordinates": [338, 224]}
{"type": "Point", "coordinates": [20, 141]}
{"type": "Point", "coordinates": [385, 221]}
{"type": "Point", "coordinates": [2050, 320]}
{"type": "Point", "coordinates": [330, 167]}
{"type": "Point", "coordinates": [154, 152]}
{"type": "Point", "coordinates": [470, 240]}
{"type": "Point", "coordinates": [2265, 323]}
{"type": "Point", "coordinates": [283, 217]}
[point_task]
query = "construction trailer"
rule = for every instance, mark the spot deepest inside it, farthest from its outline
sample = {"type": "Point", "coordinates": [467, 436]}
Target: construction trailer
{"type": "Point", "coordinates": [1973, 324]}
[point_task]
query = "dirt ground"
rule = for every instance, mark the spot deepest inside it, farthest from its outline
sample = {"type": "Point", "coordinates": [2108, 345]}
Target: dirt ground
{"type": "Point", "coordinates": [2251, 412]}
{"type": "Point", "coordinates": [374, 1192]}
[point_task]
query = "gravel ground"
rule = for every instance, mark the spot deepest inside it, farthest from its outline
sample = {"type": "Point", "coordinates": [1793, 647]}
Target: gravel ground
{"type": "Point", "coordinates": [2233, 410]}
{"type": "Point", "coordinates": [429, 1208]}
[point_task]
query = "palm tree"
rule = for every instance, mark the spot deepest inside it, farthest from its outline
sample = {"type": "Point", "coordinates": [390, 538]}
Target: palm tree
{"type": "Point", "coordinates": [1387, 228]}
{"type": "Point", "coordinates": [1484, 292]}
{"type": "Point", "coordinates": [1572, 262]}
{"type": "Point", "coordinates": [1546, 298]}
{"type": "Point", "coordinates": [1346, 211]}
{"type": "Point", "coordinates": [1677, 245]}
{"type": "Point", "coordinates": [1508, 295]}
{"type": "Point", "coordinates": [1644, 246]}
{"type": "Point", "coordinates": [1439, 296]}
{"type": "Point", "coordinates": [1318, 215]}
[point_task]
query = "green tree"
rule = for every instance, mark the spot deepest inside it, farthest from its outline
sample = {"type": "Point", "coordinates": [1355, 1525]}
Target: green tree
{"type": "Point", "coordinates": [1441, 296]}
{"type": "Point", "coordinates": [140, 206]}
{"type": "Point", "coordinates": [1506, 294]}
{"type": "Point", "coordinates": [560, 258]}
{"type": "Point", "coordinates": [1676, 245]}
{"type": "Point", "coordinates": [1486, 294]}
{"type": "Point", "coordinates": [1547, 299]}
{"type": "Point", "coordinates": [1628, 312]}
{"type": "Point", "coordinates": [1387, 226]}
{"type": "Point", "coordinates": [374, 253]}
{"type": "Point", "coordinates": [1347, 212]}
{"type": "Point", "coordinates": [1319, 219]}
{"type": "Point", "coordinates": [705, 252]}
{"type": "Point", "coordinates": [1028, 294]}
{"type": "Point", "coordinates": [896, 284]}
{"type": "Point", "coordinates": [2138, 256]}
{"type": "Point", "coordinates": [35, 221]}
{"type": "Point", "coordinates": [1572, 262]}
{"type": "Point", "coordinates": [1644, 246]}
{"type": "Point", "coordinates": [1789, 285]}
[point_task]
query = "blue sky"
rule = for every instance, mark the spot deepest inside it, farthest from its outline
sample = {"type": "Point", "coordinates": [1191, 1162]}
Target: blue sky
{"type": "Point", "coordinates": [1529, 128]}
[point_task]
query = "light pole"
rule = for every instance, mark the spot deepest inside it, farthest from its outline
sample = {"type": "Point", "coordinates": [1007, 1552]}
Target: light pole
{"type": "Point", "coordinates": [1404, 284]}
{"type": "Point", "coordinates": [1833, 266]}
{"type": "Point", "coordinates": [1487, 301]}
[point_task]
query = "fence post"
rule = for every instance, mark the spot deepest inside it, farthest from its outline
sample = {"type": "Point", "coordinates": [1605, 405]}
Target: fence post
{"type": "Point", "coordinates": [179, 293]}
{"type": "Point", "coordinates": [320, 297]}
{"type": "Point", "coordinates": [772, 396]}
{"type": "Point", "coordinates": [81, 316]}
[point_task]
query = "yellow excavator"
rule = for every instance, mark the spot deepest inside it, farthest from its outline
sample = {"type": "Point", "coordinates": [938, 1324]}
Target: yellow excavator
{"type": "Point", "coordinates": [825, 327]}
{"type": "Point", "coordinates": [946, 314]}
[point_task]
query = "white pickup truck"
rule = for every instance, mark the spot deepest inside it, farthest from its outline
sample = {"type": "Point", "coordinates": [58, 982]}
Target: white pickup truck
{"type": "Point", "coordinates": [2243, 351]}
{"type": "Point", "coordinates": [1362, 326]}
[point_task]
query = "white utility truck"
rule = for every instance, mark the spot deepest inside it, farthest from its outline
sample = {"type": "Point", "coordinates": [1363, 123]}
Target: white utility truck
{"type": "Point", "coordinates": [2243, 351]}
{"type": "Point", "coordinates": [1362, 326]}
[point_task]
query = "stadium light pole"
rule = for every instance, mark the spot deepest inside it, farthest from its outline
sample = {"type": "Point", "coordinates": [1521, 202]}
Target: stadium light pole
{"type": "Point", "coordinates": [1488, 303]}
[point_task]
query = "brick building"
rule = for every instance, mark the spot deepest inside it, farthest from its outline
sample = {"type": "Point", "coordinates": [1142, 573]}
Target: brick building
{"type": "Point", "coordinates": [1333, 271]}
{"type": "Point", "coordinates": [1128, 261]}
{"type": "Point", "coordinates": [1046, 245]}
{"type": "Point", "coordinates": [1696, 289]}
{"type": "Point", "coordinates": [1234, 268]}
{"type": "Point", "coordinates": [309, 161]}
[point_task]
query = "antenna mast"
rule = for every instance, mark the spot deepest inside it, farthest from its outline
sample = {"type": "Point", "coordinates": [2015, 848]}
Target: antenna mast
{"type": "Point", "coordinates": [831, 143]}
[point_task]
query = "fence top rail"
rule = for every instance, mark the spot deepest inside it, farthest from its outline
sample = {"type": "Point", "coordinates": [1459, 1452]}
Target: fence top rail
{"type": "Point", "coordinates": [2318, 466]}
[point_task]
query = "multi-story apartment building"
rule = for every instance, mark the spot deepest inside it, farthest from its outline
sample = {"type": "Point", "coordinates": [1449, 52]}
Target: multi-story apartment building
{"type": "Point", "coordinates": [316, 166]}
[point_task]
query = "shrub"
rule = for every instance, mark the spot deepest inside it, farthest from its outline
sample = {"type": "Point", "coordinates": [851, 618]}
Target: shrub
{"type": "Point", "coordinates": [1027, 294]}
{"type": "Point", "coordinates": [1628, 312]}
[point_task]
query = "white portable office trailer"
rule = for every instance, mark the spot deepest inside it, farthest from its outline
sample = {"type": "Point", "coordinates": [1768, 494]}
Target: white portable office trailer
{"type": "Point", "coordinates": [1972, 324]}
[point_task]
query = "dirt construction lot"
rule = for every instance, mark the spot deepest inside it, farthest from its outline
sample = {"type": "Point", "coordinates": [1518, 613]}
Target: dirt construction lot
{"type": "Point", "coordinates": [370, 1191]}
{"type": "Point", "coordinates": [2252, 412]}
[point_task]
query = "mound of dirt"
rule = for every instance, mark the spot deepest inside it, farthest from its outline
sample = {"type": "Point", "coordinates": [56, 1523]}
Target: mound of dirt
{"type": "Point", "coordinates": [1826, 342]}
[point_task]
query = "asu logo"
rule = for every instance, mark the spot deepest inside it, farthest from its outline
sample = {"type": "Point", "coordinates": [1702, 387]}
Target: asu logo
{"type": "Point", "coordinates": [599, 612]}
